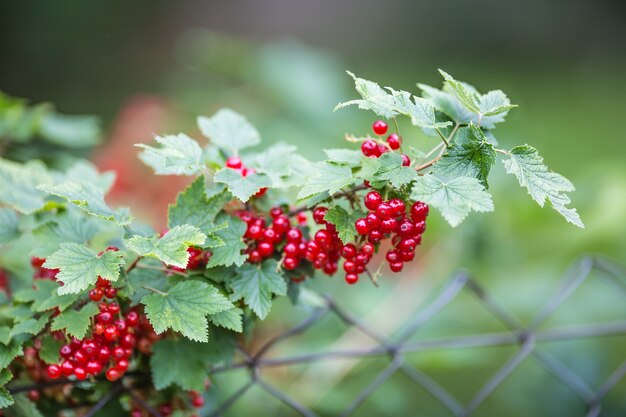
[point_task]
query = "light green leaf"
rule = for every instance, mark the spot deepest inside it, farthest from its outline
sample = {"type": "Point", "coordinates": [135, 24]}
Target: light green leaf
{"type": "Point", "coordinates": [19, 185]}
{"type": "Point", "coordinates": [5, 334]}
{"type": "Point", "coordinates": [242, 187]}
{"type": "Point", "coordinates": [9, 352]}
{"type": "Point", "coordinates": [232, 251]}
{"type": "Point", "coordinates": [495, 102]}
{"type": "Point", "coordinates": [31, 326]}
{"type": "Point", "coordinates": [87, 172]}
{"type": "Point", "coordinates": [80, 266]}
{"type": "Point", "coordinates": [282, 165]}
{"type": "Point", "coordinates": [180, 362]}
{"type": "Point", "coordinates": [256, 284]}
{"type": "Point", "coordinates": [75, 323]}
{"type": "Point", "coordinates": [178, 155]}
{"type": "Point", "coordinates": [466, 94]}
{"type": "Point", "coordinates": [470, 155]}
{"type": "Point", "coordinates": [228, 129]}
{"type": "Point", "coordinates": [229, 319]}
{"type": "Point", "coordinates": [194, 207]}
{"type": "Point", "coordinates": [374, 98]}
{"type": "Point", "coordinates": [391, 170]}
{"type": "Point", "coordinates": [328, 178]}
{"type": "Point", "coordinates": [172, 247]}
{"type": "Point", "coordinates": [526, 164]}
{"type": "Point", "coordinates": [455, 198]}
{"type": "Point", "coordinates": [44, 296]}
{"type": "Point", "coordinates": [348, 157]}
{"type": "Point", "coordinates": [89, 198]}
{"type": "Point", "coordinates": [49, 352]}
{"type": "Point", "coordinates": [344, 222]}
{"type": "Point", "coordinates": [9, 222]}
{"type": "Point", "coordinates": [184, 308]}
{"type": "Point", "coordinates": [71, 131]}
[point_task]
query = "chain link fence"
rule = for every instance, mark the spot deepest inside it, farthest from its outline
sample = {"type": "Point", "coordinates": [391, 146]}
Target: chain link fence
{"type": "Point", "coordinates": [526, 338]}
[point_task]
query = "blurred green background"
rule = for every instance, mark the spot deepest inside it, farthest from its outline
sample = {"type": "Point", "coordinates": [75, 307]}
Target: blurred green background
{"type": "Point", "coordinates": [282, 63]}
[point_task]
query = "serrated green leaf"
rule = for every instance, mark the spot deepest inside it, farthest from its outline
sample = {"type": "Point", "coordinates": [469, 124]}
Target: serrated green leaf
{"type": "Point", "coordinates": [369, 166]}
{"type": "Point", "coordinates": [495, 102]}
{"type": "Point", "coordinates": [282, 165]}
{"type": "Point", "coordinates": [542, 184]}
{"type": "Point", "coordinates": [256, 284]}
{"type": "Point", "coordinates": [194, 207]}
{"type": "Point", "coordinates": [242, 187]}
{"type": "Point", "coordinates": [467, 95]}
{"type": "Point", "coordinates": [139, 278]}
{"type": "Point", "coordinates": [232, 236]}
{"type": "Point", "coordinates": [23, 407]}
{"type": "Point", "coordinates": [180, 362]}
{"type": "Point", "coordinates": [455, 198]}
{"type": "Point", "coordinates": [228, 129]}
{"type": "Point", "coordinates": [470, 155]}
{"type": "Point", "coordinates": [31, 326]}
{"type": "Point", "coordinates": [391, 170]}
{"type": "Point", "coordinates": [80, 266]}
{"type": "Point", "coordinates": [87, 172]}
{"type": "Point", "coordinates": [9, 222]}
{"type": "Point", "coordinates": [374, 98]}
{"type": "Point", "coordinates": [9, 352]}
{"type": "Point", "coordinates": [70, 226]}
{"type": "Point", "coordinates": [5, 334]}
{"type": "Point", "coordinates": [184, 308]}
{"type": "Point", "coordinates": [344, 222]}
{"type": "Point", "coordinates": [172, 247]}
{"type": "Point", "coordinates": [178, 155]}
{"type": "Point", "coordinates": [89, 198]}
{"type": "Point", "coordinates": [5, 398]}
{"type": "Point", "coordinates": [49, 351]}
{"type": "Point", "coordinates": [229, 319]}
{"type": "Point", "coordinates": [328, 178]}
{"type": "Point", "coordinates": [44, 296]}
{"type": "Point", "coordinates": [348, 157]}
{"type": "Point", "coordinates": [75, 323]}
{"type": "Point", "coordinates": [19, 185]}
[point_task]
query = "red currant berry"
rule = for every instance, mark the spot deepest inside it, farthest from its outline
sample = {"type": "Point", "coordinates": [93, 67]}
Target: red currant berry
{"type": "Point", "coordinates": [352, 278]}
{"type": "Point", "coordinates": [113, 374]}
{"type": "Point", "coordinates": [254, 231]}
{"type": "Point", "coordinates": [382, 149]}
{"type": "Point", "coordinates": [396, 266]}
{"type": "Point", "coordinates": [96, 294]}
{"type": "Point", "coordinates": [318, 215]}
{"type": "Point", "coordinates": [67, 368]}
{"type": "Point", "coordinates": [54, 372]}
{"type": "Point", "coordinates": [197, 402]}
{"type": "Point", "coordinates": [80, 358]}
{"type": "Point", "coordinates": [291, 249]}
{"type": "Point", "coordinates": [132, 318]}
{"type": "Point", "coordinates": [384, 211]}
{"type": "Point", "coordinates": [361, 226]}
{"type": "Point", "coordinates": [65, 351]}
{"type": "Point", "coordinates": [110, 334]}
{"type": "Point", "coordinates": [419, 211]}
{"type": "Point", "coordinates": [165, 409]}
{"type": "Point", "coordinates": [372, 200]}
{"type": "Point", "coordinates": [375, 236]}
{"type": "Point", "coordinates": [407, 256]}
{"type": "Point", "coordinates": [392, 256]}
{"type": "Point", "coordinates": [114, 308]}
{"type": "Point", "coordinates": [269, 235]}
{"type": "Point", "coordinates": [370, 148]}
{"type": "Point", "coordinates": [93, 367]}
{"type": "Point", "coordinates": [380, 127]}
{"type": "Point", "coordinates": [294, 235]}
{"type": "Point", "coordinates": [265, 249]}
{"type": "Point", "coordinates": [122, 365]}
{"type": "Point", "coordinates": [233, 162]}
{"type": "Point", "coordinates": [362, 259]}
{"type": "Point", "coordinates": [397, 207]}
{"type": "Point", "coordinates": [135, 412]}
{"type": "Point", "coordinates": [33, 395]}
{"type": "Point", "coordinates": [406, 229]}
{"type": "Point", "coordinates": [121, 325]}
{"type": "Point", "coordinates": [406, 161]}
{"type": "Point", "coordinates": [330, 268]}
{"type": "Point", "coordinates": [349, 267]}
{"type": "Point", "coordinates": [348, 251]}
{"type": "Point", "coordinates": [89, 347]}
{"type": "Point", "coordinates": [110, 292]}
{"type": "Point", "coordinates": [302, 219]}
{"type": "Point", "coordinates": [254, 257]}
{"type": "Point", "coordinates": [281, 224]}
{"type": "Point", "coordinates": [419, 227]}
{"type": "Point", "coordinates": [80, 373]}
{"type": "Point", "coordinates": [275, 212]}
{"type": "Point", "coordinates": [290, 263]}
{"type": "Point", "coordinates": [388, 225]}
{"type": "Point", "coordinates": [394, 141]}
{"type": "Point", "coordinates": [407, 245]}
{"type": "Point", "coordinates": [323, 238]}
{"type": "Point", "coordinates": [368, 249]}
{"type": "Point", "coordinates": [104, 354]}
{"type": "Point", "coordinates": [118, 352]}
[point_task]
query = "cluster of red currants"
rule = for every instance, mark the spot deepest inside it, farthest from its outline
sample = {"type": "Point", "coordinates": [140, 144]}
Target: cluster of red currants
{"type": "Point", "coordinates": [236, 163]}
{"type": "Point", "coordinates": [111, 345]}
{"type": "Point", "coordinates": [40, 271]}
{"type": "Point", "coordinates": [388, 219]}
{"type": "Point", "coordinates": [323, 251]}
{"type": "Point", "coordinates": [198, 259]}
{"type": "Point", "coordinates": [374, 149]}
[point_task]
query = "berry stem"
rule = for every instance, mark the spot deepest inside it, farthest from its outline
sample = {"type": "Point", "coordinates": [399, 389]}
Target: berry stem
{"type": "Point", "coordinates": [443, 138]}
{"type": "Point", "coordinates": [371, 277]}
{"type": "Point", "coordinates": [157, 268]}
{"type": "Point", "coordinates": [133, 264]}
{"type": "Point", "coordinates": [395, 123]}
{"type": "Point", "coordinates": [145, 287]}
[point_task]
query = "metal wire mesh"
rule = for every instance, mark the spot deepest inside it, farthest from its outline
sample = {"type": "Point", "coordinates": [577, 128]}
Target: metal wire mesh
{"type": "Point", "coordinates": [526, 339]}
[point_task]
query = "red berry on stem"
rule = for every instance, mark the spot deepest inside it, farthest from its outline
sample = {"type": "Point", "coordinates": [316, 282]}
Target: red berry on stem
{"type": "Point", "coordinates": [290, 263]}
{"type": "Point", "coordinates": [275, 212]}
{"type": "Point", "coordinates": [265, 249]}
{"type": "Point", "coordinates": [113, 374]}
{"type": "Point", "coordinates": [394, 141]}
{"type": "Point", "coordinates": [419, 211]}
{"type": "Point", "coordinates": [110, 292]}
{"type": "Point", "coordinates": [94, 367]}
{"type": "Point", "coordinates": [318, 215]}
{"type": "Point", "coordinates": [54, 372]}
{"type": "Point", "coordinates": [110, 334]}
{"type": "Point", "coordinates": [197, 402]}
{"type": "Point", "coordinates": [114, 308]}
{"type": "Point", "coordinates": [396, 266]}
{"type": "Point", "coordinates": [294, 235]}
{"type": "Point", "coordinates": [254, 257]}
{"type": "Point", "coordinates": [397, 207]}
{"type": "Point", "coordinates": [380, 127]}
{"type": "Point", "coordinates": [132, 318]}
{"type": "Point", "coordinates": [407, 245]}
{"type": "Point", "coordinates": [323, 238]}
{"type": "Point", "coordinates": [368, 249]}
{"type": "Point", "coordinates": [406, 161]}
{"type": "Point", "coordinates": [348, 251]}
{"type": "Point", "coordinates": [406, 229]}
{"type": "Point", "coordinates": [361, 226]}
{"type": "Point", "coordinates": [375, 236]}
{"type": "Point", "coordinates": [67, 368]}
{"type": "Point", "coordinates": [388, 225]}
{"type": "Point", "coordinates": [384, 211]}
{"type": "Point", "coordinates": [392, 256]}
{"type": "Point", "coordinates": [352, 278]}
{"type": "Point", "coordinates": [233, 162]}
{"type": "Point", "coordinates": [80, 373]}
{"type": "Point", "coordinates": [419, 227]}
{"type": "Point", "coordinates": [96, 294]}
{"type": "Point", "coordinates": [372, 200]}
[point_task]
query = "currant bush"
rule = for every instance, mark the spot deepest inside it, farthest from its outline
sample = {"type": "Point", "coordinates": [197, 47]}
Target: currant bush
{"type": "Point", "coordinates": [100, 297]}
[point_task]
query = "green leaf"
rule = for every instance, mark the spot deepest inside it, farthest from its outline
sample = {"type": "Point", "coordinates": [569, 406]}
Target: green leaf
{"type": "Point", "coordinates": [80, 266]}
{"type": "Point", "coordinates": [256, 284]}
{"type": "Point", "coordinates": [180, 362]}
{"type": "Point", "coordinates": [232, 251]}
{"type": "Point", "coordinates": [139, 278]}
{"type": "Point", "coordinates": [194, 207]}
{"type": "Point", "coordinates": [19, 185]}
{"type": "Point", "coordinates": [282, 165]}
{"type": "Point", "coordinates": [495, 102]}
{"type": "Point", "coordinates": [5, 334]}
{"type": "Point", "coordinates": [242, 187]}
{"type": "Point", "coordinates": [70, 226]}
{"type": "Point", "coordinates": [89, 198]}
{"type": "Point", "coordinates": [184, 308]}
{"type": "Point", "coordinates": [228, 129]}
{"type": "Point", "coordinates": [87, 172]}
{"type": "Point", "coordinates": [455, 198]}
{"type": "Point", "coordinates": [49, 352]}
{"type": "Point", "coordinates": [9, 352]}
{"type": "Point", "coordinates": [344, 222]}
{"type": "Point", "coordinates": [5, 396]}
{"type": "Point", "coordinates": [178, 155]}
{"type": "Point", "coordinates": [23, 407]}
{"type": "Point", "coordinates": [391, 170]}
{"type": "Point", "coordinates": [467, 95]}
{"type": "Point", "coordinates": [31, 326]}
{"type": "Point", "coordinates": [172, 247]}
{"type": "Point", "coordinates": [75, 323]}
{"type": "Point", "coordinates": [348, 157]}
{"type": "Point", "coordinates": [229, 319]}
{"type": "Point", "coordinates": [526, 164]}
{"type": "Point", "coordinates": [9, 222]}
{"type": "Point", "coordinates": [374, 98]}
{"type": "Point", "coordinates": [328, 178]}
{"type": "Point", "coordinates": [71, 131]}
{"type": "Point", "coordinates": [44, 296]}
{"type": "Point", "coordinates": [470, 155]}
